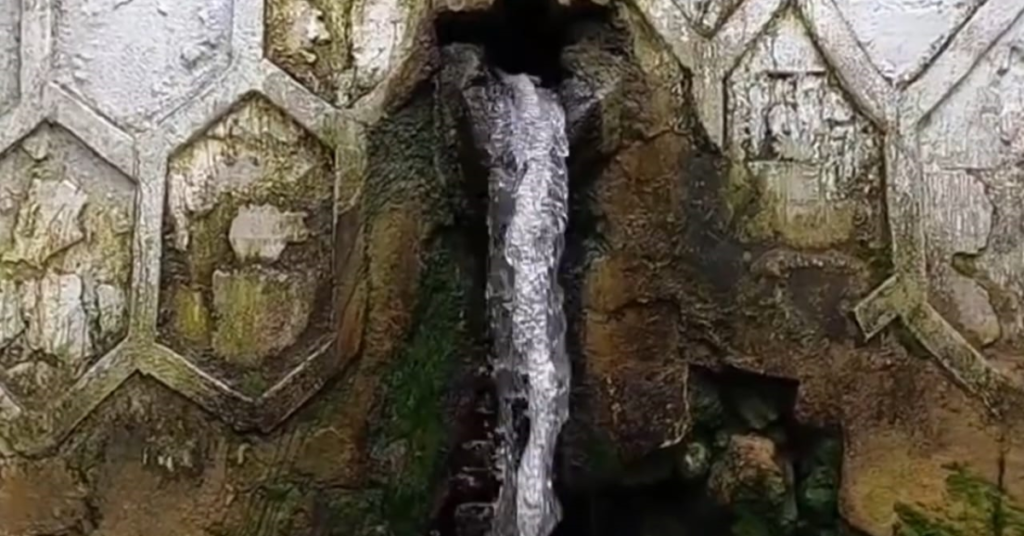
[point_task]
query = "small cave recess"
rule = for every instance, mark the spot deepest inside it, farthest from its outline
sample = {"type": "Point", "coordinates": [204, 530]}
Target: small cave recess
{"type": "Point", "coordinates": [522, 36]}
{"type": "Point", "coordinates": [747, 467]}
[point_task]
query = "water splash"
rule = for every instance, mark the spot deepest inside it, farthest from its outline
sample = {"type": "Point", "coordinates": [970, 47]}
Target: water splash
{"type": "Point", "coordinates": [527, 147]}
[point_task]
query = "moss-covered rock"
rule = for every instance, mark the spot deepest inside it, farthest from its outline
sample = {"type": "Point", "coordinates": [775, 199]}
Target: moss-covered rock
{"type": "Point", "coordinates": [974, 507]}
{"type": "Point", "coordinates": [416, 386]}
{"type": "Point", "coordinates": [751, 481]}
{"type": "Point", "coordinates": [693, 460]}
{"type": "Point", "coordinates": [818, 491]}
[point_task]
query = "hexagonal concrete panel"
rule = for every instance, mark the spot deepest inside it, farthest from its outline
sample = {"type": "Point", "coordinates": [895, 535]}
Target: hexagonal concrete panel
{"type": "Point", "coordinates": [247, 281]}
{"type": "Point", "coordinates": [800, 149]}
{"type": "Point", "coordinates": [972, 147]}
{"type": "Point", "coordinates": [343, 49]}
{"type": "Point", "coordinates": [707, 16]}
{"type": "Point", "coordinates": [10, 55]}
{"type": "Point", "coordinates": [133, 59]}
{"type": "Point", "coordinates": [881, 29]}
{"type": "Point", "coordinates": [66, 221]}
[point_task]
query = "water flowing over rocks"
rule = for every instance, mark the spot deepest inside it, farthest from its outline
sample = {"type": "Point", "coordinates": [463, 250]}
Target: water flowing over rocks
{"type": "Point", "coordinates": [527, 148]}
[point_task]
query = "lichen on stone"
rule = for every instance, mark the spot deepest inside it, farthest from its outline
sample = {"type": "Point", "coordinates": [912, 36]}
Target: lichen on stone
{"type": "Point", "coordinates": [66, 223]}
{"type": "Point", "coordinates": [974, 507]}
{"type": "Point", "coordinates": [249, 243]}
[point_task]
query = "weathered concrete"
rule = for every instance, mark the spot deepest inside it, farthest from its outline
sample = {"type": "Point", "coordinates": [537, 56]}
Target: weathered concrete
{"type": "Point", "coordinates": [183, 196]}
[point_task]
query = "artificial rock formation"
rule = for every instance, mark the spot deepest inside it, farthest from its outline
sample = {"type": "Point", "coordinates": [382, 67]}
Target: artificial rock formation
{"type": "Point", "coordinates": [242, 246]}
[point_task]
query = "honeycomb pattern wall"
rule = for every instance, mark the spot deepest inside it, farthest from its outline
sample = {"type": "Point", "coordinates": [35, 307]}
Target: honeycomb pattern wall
{"type": "Point", "coordinates": [168, 169]}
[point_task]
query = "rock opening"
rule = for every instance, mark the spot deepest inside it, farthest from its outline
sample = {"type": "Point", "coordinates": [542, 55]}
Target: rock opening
{"type": "Point", "coordinates": [521, 36]}
{"type": "Point", "coordinates": [747, 467]}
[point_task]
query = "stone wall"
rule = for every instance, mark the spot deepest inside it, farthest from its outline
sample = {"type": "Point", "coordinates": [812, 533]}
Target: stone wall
{"type": "Point", "coordinates": [236, 294]}
{"type": "Point", "coordinates": [808, 190]}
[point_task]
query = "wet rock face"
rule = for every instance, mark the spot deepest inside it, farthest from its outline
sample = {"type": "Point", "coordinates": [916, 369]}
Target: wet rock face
{"type": "Point", "coordinates": [226, 307]}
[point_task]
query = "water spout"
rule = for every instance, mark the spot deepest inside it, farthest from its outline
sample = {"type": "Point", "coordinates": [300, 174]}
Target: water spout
{"type": "Point", "coordinates": [527, 148]}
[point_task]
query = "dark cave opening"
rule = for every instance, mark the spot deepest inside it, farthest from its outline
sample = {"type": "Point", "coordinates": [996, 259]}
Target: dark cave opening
{"type": "Point", "coordinates": [521, 36]}
{"type": "Point", "coordinates": [746, 468]}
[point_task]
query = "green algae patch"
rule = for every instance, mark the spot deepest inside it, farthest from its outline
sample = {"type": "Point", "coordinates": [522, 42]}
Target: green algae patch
{"type": "Point", "coordinates": [975, 507]}
{"type": "Point", "coordinates": [261, 311]}
{"type": "Point", "coordinates": [347, 513]}
{"type": "Point", "coordinates": [192, 320]}
{"type": "Point", "coordinates": [246, 274]}
{"type": "Point", "coordinates": [413, 430]}
{"type": "Point", "coordinates": [400, 148]}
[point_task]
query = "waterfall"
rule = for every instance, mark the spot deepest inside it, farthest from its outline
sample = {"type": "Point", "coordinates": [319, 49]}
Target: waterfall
{"type": "Point", "coordinates": [528, 189]}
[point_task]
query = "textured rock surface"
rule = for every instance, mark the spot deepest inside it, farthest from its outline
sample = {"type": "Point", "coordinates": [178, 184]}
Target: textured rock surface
{"type": "Point", "coordinates": [249, 216]}
{"type": "Point", "coordinates": [65, 242]}
{"type": "Point", "coordinates": [174, 205]}
{"type": "Point", "coordinates": [134, 60]}
{"type": "Point", "coordinates": [752, 233]}
{"type": "Point", "coordinates": [10, 57]}
{"type": "Point", "coordinates": [237, 258]}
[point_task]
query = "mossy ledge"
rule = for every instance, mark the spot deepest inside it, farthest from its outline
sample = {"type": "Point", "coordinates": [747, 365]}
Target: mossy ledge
{"type": "Point", "coordinates": [414, 410]}
{"type": "Point", "coordinates": [974, 507]}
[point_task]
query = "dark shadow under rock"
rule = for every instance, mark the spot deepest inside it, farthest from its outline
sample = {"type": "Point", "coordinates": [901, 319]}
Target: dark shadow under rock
{"type": "Point", "coordinates": [746, 468]}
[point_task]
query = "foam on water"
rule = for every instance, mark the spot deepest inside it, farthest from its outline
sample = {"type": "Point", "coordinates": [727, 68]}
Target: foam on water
{"type": "Point", "coordinates": [528, 216]}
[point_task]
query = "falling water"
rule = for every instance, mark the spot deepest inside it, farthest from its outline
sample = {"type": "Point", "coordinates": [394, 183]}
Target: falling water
{"type": "Point", "coordinates": [527, 146]}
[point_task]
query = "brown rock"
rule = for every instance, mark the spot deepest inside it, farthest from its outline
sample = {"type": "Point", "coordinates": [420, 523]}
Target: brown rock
{"type": "Point", "coordinates": [42, 497]}
{"type": "Point", "coordinates": [634, 368]}
{"type": "Point", "coordinates": [908, 462]}
{"type": "Point", "coordinates": [748, 471]}
{"type": "Point", "coordinates": [336, 453]}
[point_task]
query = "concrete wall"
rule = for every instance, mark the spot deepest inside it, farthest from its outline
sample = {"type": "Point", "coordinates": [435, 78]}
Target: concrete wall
{"type": "Point", "coordinates": [175, 178]}
{"type": "Point", "coordinates": [931, 119]}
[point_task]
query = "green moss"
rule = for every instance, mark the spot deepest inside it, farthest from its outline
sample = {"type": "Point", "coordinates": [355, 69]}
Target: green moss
{"type": "Point", "coordinates": [975, 507]}
{"type": "Point", "coordinates": [915, 523]}
{"type": "Point", "coordinates": [414, 410]}
{"type": "Point", "coordinates": [818, 490]}
{"type": "Point", "coordinates": [254, 384]}
{"type": "Point", "coordinates": [349, 513]}
{"type": "Point", "coordinates": [402, 147]}
{"type": "Point", "coordinates": [191, 320]}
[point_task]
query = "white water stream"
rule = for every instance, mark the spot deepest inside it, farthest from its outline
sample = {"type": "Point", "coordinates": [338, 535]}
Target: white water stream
{"type": "Point", "coordinates": [528, 216]}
